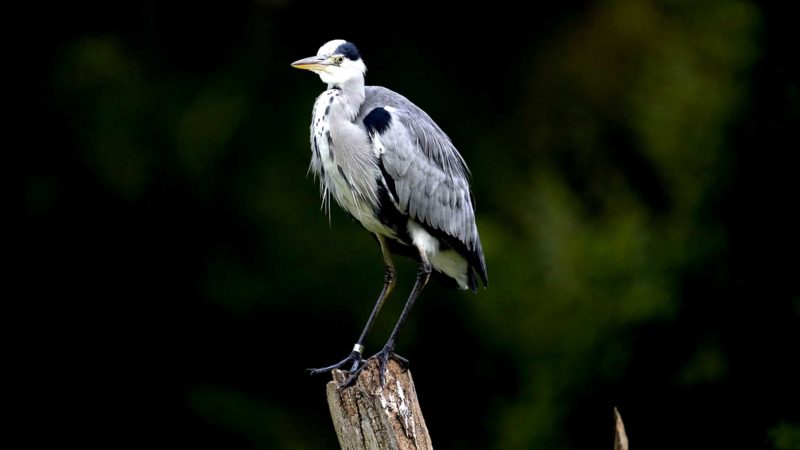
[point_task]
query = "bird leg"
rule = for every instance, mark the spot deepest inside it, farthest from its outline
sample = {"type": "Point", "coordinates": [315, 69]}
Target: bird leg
{"type": "Point", "coordinates": [423, 274]}
{"type": "Point", "coordinates": [389, 278]}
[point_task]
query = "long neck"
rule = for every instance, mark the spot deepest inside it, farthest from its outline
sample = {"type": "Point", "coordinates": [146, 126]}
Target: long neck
{"type": "Point", "coordinates": [354, 93]}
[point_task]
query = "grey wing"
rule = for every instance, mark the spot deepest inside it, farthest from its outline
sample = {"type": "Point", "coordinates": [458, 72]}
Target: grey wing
{"type": "Point", "coordinates": [425, 190]}
{"type": "Point", "coordinates": [429, 176]}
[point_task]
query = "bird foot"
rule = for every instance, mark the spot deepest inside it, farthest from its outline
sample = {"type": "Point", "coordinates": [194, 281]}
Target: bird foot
{"type": "Point", "coordinates": [355, 357]}
{"type": "Point", "coordinates": [359, 364]}
{"type": "Point", "coordinates": [383, 357]}
{"type": "Point", "coordinates": [353, 377]}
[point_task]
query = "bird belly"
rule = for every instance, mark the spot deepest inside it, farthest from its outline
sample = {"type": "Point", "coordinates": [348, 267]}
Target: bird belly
{"type": "Point", "coordinates": [360, 209]}
{"type": "Point", "coordinates": [333, 177]}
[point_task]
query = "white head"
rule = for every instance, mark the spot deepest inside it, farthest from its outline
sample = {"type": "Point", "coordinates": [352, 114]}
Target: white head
{"type": "Point", "coordinates": [336, 63]}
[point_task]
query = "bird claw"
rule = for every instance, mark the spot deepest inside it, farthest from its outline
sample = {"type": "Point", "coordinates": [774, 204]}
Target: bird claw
{"type": "Point", "coordinates": [383, 360]}
{"type": "Point", "coordinates": [359, 363]}
{"type": "Point", "coordinates": [355, 357]}
{"type": "Point", "coordinates": [353, 377]}
{"type": "Point", "coordinates": [383, 357]}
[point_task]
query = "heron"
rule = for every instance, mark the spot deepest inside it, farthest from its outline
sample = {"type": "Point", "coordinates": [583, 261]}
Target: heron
{"type": "Point", "coordinates": [392, 169]}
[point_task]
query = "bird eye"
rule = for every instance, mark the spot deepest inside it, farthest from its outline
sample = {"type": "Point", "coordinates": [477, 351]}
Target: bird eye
{"type": "Point", "coordinates": [338, 60]}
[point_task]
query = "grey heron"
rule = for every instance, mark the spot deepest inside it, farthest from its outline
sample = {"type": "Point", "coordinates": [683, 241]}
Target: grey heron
{"type": "Point", "coordinates": [391, 168]}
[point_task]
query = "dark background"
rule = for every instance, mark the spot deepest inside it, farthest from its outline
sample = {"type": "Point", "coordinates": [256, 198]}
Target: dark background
{"type": "Point", "coordinates": [634, 169]}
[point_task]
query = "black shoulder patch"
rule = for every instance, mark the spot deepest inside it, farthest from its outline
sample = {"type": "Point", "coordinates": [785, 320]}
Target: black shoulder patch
{"type": "Point", "coordinates": [377, 121]}
{"type": "Point", "coordinates": [349, 51]}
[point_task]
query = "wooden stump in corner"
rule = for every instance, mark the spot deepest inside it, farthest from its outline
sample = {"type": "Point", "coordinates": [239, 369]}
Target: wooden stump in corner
{"type": "Point", "coordinates": [620, 437]}
{"type": "Point", "coordinates": [368, 416]}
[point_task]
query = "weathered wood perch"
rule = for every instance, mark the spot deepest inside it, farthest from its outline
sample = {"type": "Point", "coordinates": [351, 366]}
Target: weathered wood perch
{"type": "Point", "coordinates": [620, 437]}
{"type": "Point", "coordinates": [370, 416]}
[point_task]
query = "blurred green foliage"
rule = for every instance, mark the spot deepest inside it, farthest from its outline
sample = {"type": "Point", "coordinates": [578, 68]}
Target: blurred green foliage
{"type": "Point", "coordinates": [625, 222]}
{"type": "Point", "coordinates": [785, 436]}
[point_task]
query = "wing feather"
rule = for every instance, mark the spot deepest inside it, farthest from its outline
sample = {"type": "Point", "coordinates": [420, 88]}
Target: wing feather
{"type": "Point", "coordinates": [430, 176]}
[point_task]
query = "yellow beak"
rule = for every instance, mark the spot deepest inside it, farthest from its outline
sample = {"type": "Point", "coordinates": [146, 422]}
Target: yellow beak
{"type": "Point", "coordinates": [311, 63]}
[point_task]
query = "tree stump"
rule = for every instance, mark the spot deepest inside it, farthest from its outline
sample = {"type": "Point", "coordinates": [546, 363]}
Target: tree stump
{"type": "Point", "coordinates": [620, 437]}
{"type": "Point", "coordinates": [369, 416]}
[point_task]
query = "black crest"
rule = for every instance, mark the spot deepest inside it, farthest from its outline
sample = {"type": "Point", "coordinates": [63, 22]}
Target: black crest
{"type": "Point", "coordinates": [349, 51]}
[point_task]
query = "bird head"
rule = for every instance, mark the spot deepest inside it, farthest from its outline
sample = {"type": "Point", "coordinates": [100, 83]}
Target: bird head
{"type": "Point", "coordinates": [336, 62]}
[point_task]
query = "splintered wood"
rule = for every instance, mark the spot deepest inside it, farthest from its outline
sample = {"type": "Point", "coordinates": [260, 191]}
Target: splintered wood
{"type": "Point", "coordinates": [370, 416]}
{"type": "Point", "coordinates": [620, 438]}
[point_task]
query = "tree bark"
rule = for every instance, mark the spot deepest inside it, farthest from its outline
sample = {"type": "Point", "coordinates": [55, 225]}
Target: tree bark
{"type": "Point", "coordinates": [369, 416]}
